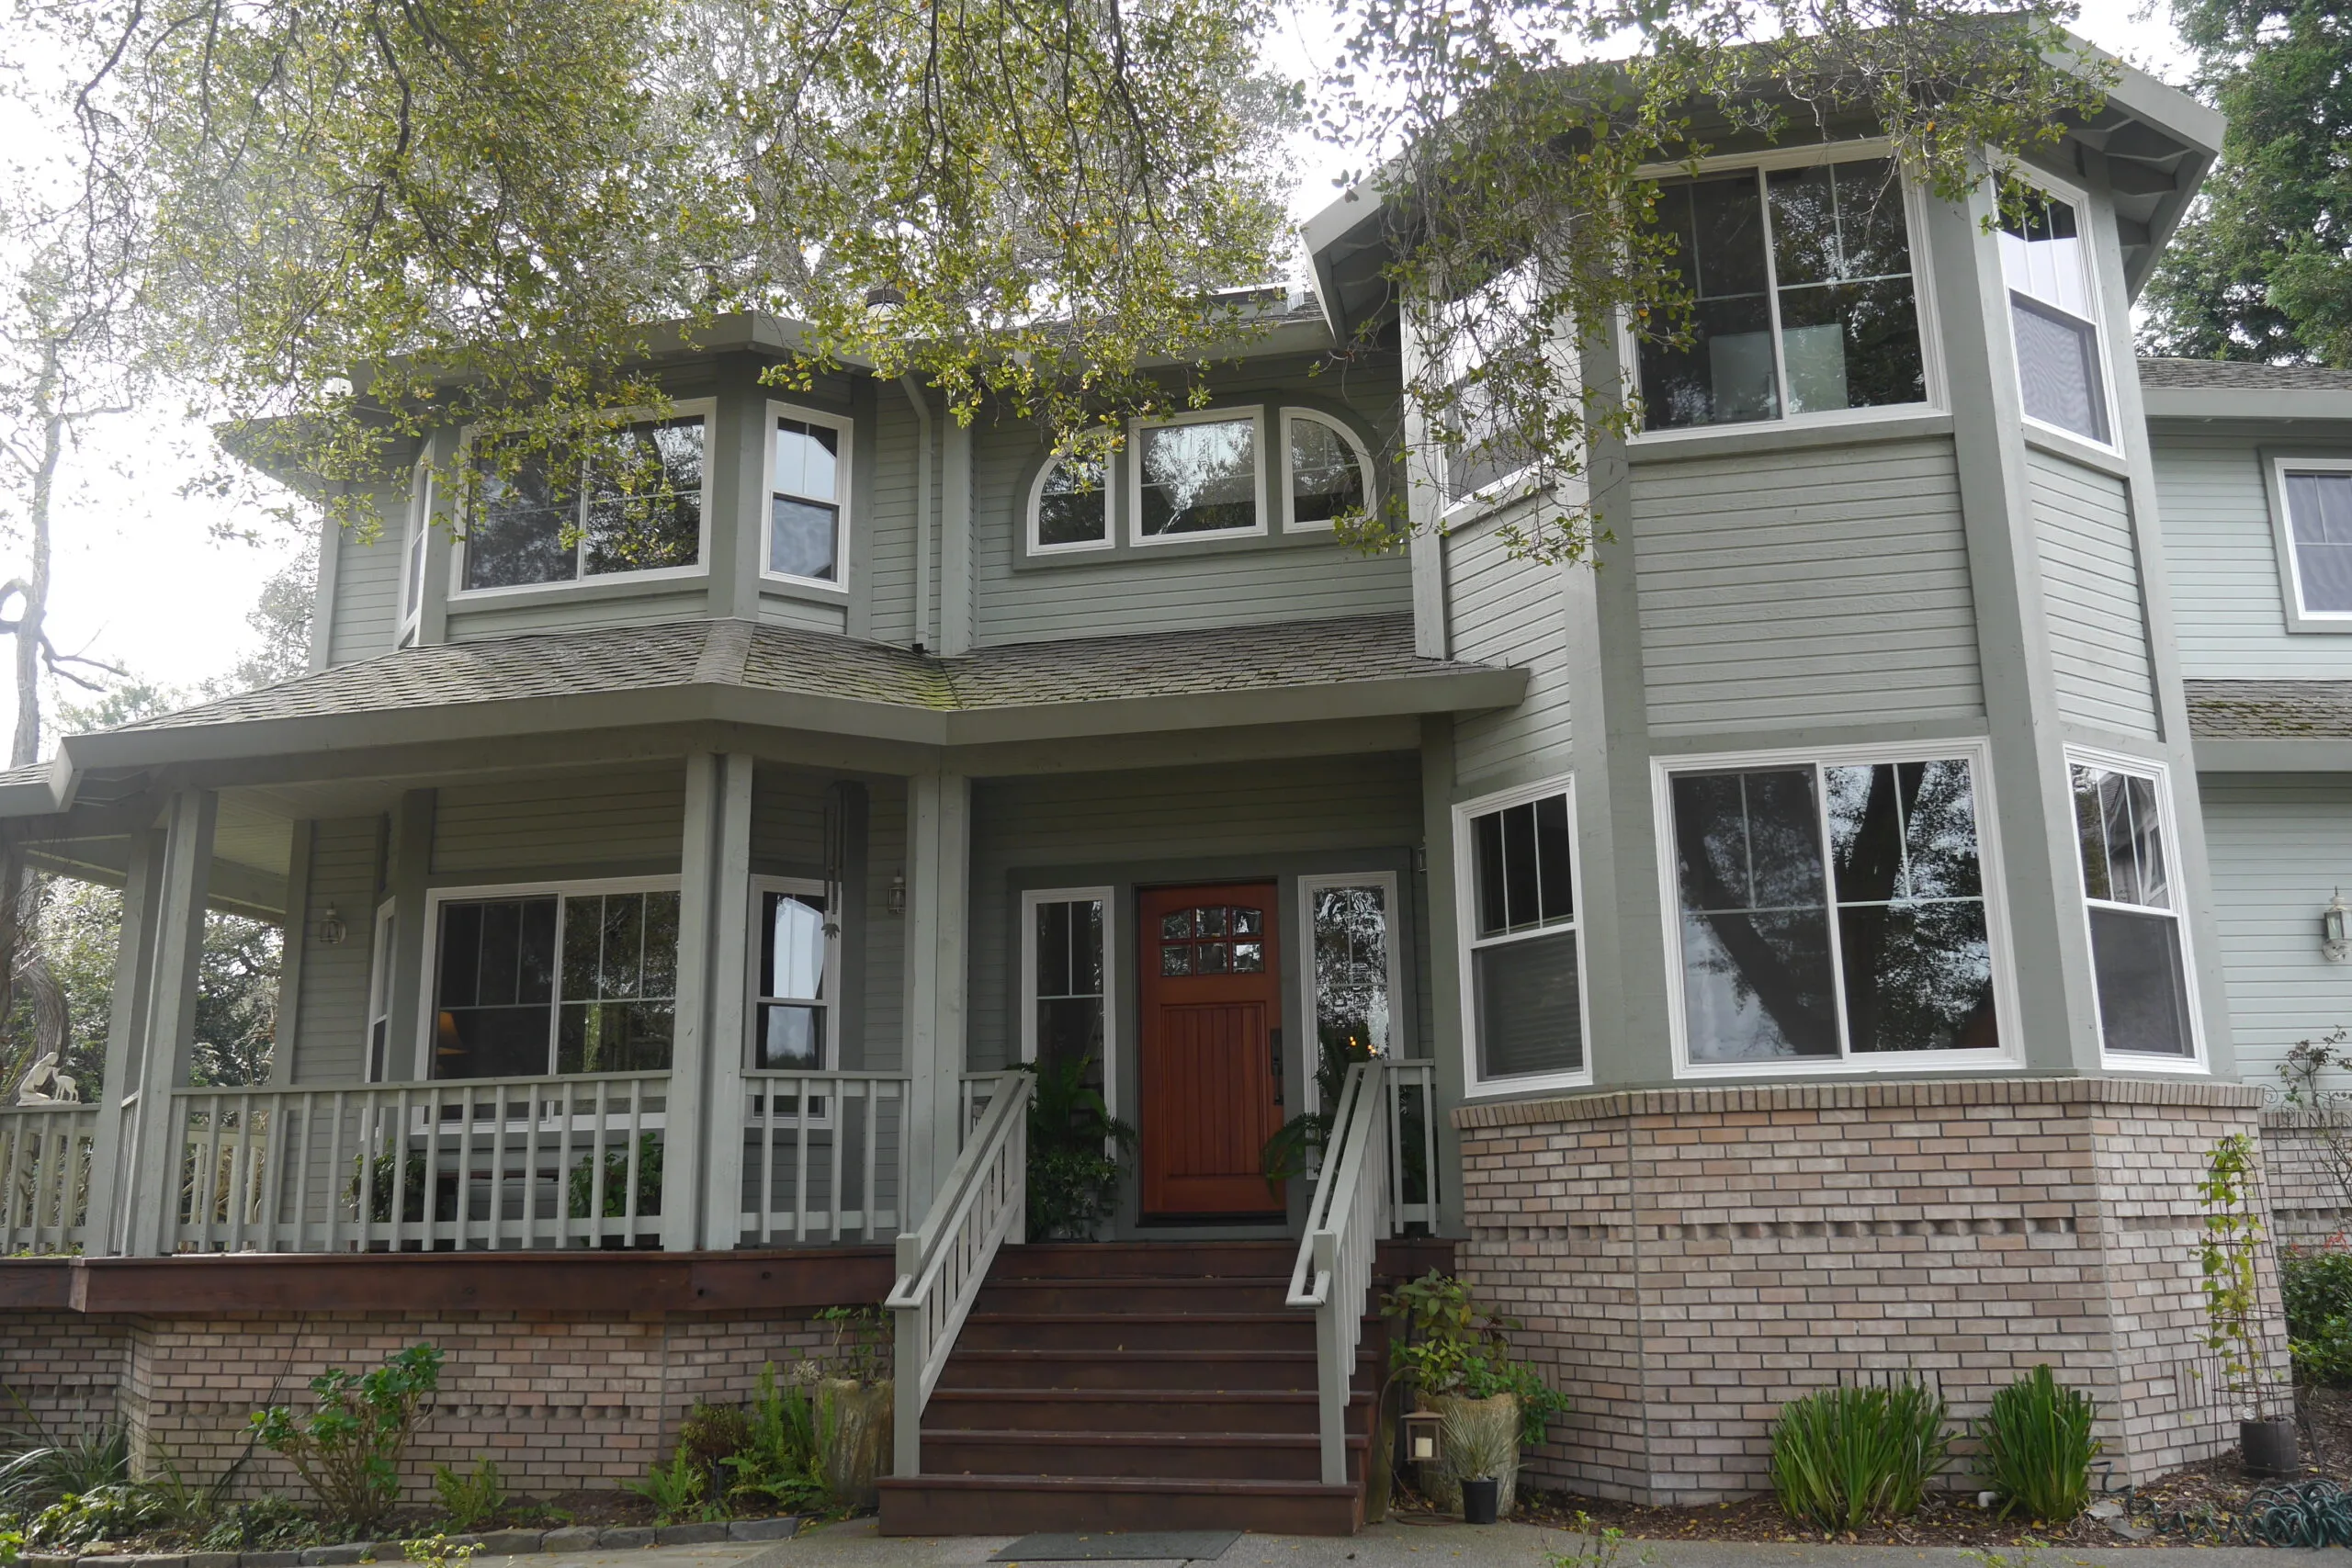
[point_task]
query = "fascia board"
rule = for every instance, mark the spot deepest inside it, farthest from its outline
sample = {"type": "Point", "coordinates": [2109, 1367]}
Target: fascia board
{"type": "Point", "coordinates": [40, 797]}
{"type": "Point", "coordinates": [2197, 127]}
{"type": "Point", "coordinates": [2333, 755]}
{"type": "Point", "coordinates": [2242, 403]}
{"type": "Point", "coordinates": [1469, 690]}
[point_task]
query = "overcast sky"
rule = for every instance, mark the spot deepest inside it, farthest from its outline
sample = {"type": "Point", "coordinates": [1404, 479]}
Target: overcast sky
{"type": "Point", "coordinates": [141, 580]}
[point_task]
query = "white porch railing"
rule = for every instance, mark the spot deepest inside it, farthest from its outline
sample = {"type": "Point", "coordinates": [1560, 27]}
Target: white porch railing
{"type": "Point", "coordinates": [1344, 1227]}
{"type": "Point", "coordinates": [463, 1163]}
{"type": "Point", "coordinates": [824, 1157]}
{"type": "Point", "coordinates": [45, 1154]}
{"type": "Point", "coordinates": [942, 1263]}
{"type": "Point", "coordinates": [1412, 1144]}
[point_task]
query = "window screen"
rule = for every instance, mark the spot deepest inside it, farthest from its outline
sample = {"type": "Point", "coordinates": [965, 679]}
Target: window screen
{"type": "Point", "coordinates": [1525, 1003]}
{"type": "Point", "coordinates": [2137, 952]}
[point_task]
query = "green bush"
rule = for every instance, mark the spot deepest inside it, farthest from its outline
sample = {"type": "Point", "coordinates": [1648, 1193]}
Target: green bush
{"type": "Point", "coordinates": [782, 1465]}
{"type": "Point", "coordinates": [677, 1490]}
{"type": "Point", "coordinates": [2038, 1448]}
{"type": "Point", "coordinates": [2317, 1284]}
{"type": "Point", "coordinates": [1846, 1456]}
{"type": "Point", "coordinates": [43, 1468]}
{"type": "Point", "coordinates": [471, 1499]}
{"type": "Point", "coordinates": [1076, 1150]}
{"type": "Point", "coordinates": [348, 1450]}
{"type": "Point", "coordinates": [1454, 1344]}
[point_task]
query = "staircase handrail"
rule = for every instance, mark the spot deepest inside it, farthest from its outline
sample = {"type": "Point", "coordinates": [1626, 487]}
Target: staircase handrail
{"type": "Point", "coordinates": [1344, 1226]}
{"type": "Point", "coordinates": [943, 1261]}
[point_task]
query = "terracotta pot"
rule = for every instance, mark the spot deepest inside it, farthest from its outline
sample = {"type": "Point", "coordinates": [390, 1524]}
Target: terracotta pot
{"type": "Point", "coordinates": [1480, 1438]}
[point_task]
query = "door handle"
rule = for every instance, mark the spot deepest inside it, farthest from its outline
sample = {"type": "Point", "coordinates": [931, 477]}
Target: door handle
{"type": "Point", "coordinates": [1274, 1055]}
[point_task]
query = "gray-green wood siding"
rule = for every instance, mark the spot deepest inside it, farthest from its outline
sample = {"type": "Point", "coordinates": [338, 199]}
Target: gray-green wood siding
{"type": "Point", "coordinates": [330, 1039]}
{"type": "Point", "coordinates": [367, 590]}
{"type": "Point", "coordinates": [674, 598]}
{"type": "Point", "coordinates": [2279, 847]}
{"type": "Point", "coordinates": [1501, 611]}
{"type": "Point", "coordinates": [2229, 587]}
{"type": "Point", "coordinates": [889, 520]}
{"type": "Point", "coordinates": [1807, 587]}
{"type": "Point", "coordinates": [2090, 587]}
{"type": "Point", "coordinates": [886, 934]}
{"type": "Point", "coordinates": [1158, 821]}
{"type": "Point", "coordinates": [563, 826]}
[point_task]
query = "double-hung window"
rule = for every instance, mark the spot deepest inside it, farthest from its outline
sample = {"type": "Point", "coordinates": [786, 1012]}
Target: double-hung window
{"type": "Point", "coordinates": [1803, 297]}
{"type": "Point", "coordinates": [625, 499]}
{"type": "Point", "coordinates": [2053, 315]}
{"type": "Point", "coordinates": [808, 509]}
{"type": "Point", "coordinates": [1831, 910]}
{"type": "Point", "coordinates": [1066, 982]}
{"type": "Point", "coordinates": [792, 1008]}
{"type": "Point", "coordinates": [2315, 496]}
{"type": "Point", "coordinates": [380, 997]}
{"type": "Point", "coordinates": [1198, 474]}
{"type": "Point", "coordinates": [1522, 982]}
{"type": "Point", "coordinates": [530, 982]}
{"type": "Point", "coordinates": [2139, 947]}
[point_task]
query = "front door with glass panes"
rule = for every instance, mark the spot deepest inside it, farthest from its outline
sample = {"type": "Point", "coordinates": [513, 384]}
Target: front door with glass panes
{"type": "Point", "coordinates": [528, 984]}
{"type": "Point", "coordinates": [1209, 1049]}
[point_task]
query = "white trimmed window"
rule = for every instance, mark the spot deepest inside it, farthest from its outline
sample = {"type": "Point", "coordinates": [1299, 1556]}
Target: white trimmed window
{"type": "Point", "coordinates": [1198, 475]}
{"type": "Point", "coordinates": [1522, 959]}
{"type": "Point", "coordinates": [380, 997]}
{"type": "Point", "coordinates": [807, 490]}
{"type": "Point", "coordinates": [793, 983]}
{"type": "Point", "coordinates": [1070, 506]}
{"type": "Point", "coordinates": [627, 501]}
{"type": "Point", "coordinates": [1066, 1011]}
{"type": "Point", "coordinates": [1805, 299]}
{"type": "Point", "coordinates": [1331, 475]}
{"type": "Point", "coordinates": [572, 978]}
{"type": "Point", "coordinates": [1831, 911]}
{"type": "Point", "coordinates": [1351, 999]}
{"type": "Point", "coordinates": [2316, 496]}
{"type": "Point", "coordinates": [2147, 1007]}
{"type": "Point", "coordinates": [2053, 316]}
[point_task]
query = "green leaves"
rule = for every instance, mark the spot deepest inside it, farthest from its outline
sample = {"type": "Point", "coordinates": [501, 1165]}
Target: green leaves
{"type": "Point", "coordinates": [2227, 1253]}
{"type": "Point", "coordinates": [2038, 1448]}
{"type": "Point", "coordinates": [1076, 1148]}
{"type": "Point", "coordinates": [348, 1448]}
{"type": "Point", "coordinates": [1847, 1455]}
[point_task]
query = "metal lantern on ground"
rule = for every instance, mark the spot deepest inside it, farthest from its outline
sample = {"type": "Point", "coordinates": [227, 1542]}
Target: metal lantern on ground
{"type": "Point", "coordinates": [1424, 1436]}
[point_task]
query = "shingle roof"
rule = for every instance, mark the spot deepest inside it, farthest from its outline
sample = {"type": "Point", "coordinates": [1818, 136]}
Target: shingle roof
{"type": "Point", "coordinates": [2238, 376]}
{"type": "Point", "coordinates": [784, 659]}
{"type": "Point", "coordinates": [2270, 710]}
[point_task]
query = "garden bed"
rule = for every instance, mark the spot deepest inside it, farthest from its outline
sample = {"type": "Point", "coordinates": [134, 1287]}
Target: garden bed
{"type": "Point", "coordinates": [495, 1543]}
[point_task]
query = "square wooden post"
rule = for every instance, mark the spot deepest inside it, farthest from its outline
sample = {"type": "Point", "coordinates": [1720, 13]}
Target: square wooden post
{"type": "Point", "coordinates": [166, 1032]}
{"type": "Point", "coordinates": [702, 1170]}
{"type": "Point", "coordinates": [939, 874]}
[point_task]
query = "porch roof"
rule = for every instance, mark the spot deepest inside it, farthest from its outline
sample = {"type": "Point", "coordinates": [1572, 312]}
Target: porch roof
{"type": "Point", "coordinates": [2264, 725]}
{"type": "Point", "coordinates": [739, 671]}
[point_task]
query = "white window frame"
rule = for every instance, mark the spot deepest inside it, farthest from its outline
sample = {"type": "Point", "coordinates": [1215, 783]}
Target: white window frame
{"type": "Point", "coordinates": [1466, 893]}
{"type": "Point", "coordinates": [1972, 750]}
{"type": "Point", "coordinates": [705, 408]}
{"type": "Point", "coordinates": [1291, 524]}
{"type": "Point", "coordinates": [382, 955]}
{"type": "Point", "coordinates": [2276, 469]}
{"type": "Point", "coordinates": [844, 477]}
{"type": "Point", "coordinates": [436, 897]}
{"type": "Point", "coordinates": [1311, 1056]}
{"type": "Point", "coordinates": [1923, 299]}
{"type": "Point", "coordinates": [1030, 899]}
{"type": "Point", "coordinates": [818, 1113]}
{"type": "Point", "coordinates": [413, 551]}
{"type": "Point", "coordinates": [1230, 415]}
{"type": "Point", "coordinates": [1110, 539]}
{"type": "Point", "coordinates": [2194, 1064]}
{"type": "Point", "coordinates": [2095, 292]}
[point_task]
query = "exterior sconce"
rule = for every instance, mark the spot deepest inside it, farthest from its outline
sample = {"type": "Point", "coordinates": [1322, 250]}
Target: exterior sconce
{"type": "Point", "coordinates": [1424, 1438]}
{"type": "Point", "coordinates": [898, 896]}
{"type": "Point", "coordinates": [330, 930]}
{"type": "Point", "coordinates": [2335, 940]}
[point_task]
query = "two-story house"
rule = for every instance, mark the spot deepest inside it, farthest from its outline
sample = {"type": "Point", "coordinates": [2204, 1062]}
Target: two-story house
{"type": "Point", "coordinates": [1809, 937]}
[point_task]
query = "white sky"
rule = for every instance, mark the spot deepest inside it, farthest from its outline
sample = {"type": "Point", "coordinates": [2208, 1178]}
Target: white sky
{"type": "Point", "coordinates": [141, 580]}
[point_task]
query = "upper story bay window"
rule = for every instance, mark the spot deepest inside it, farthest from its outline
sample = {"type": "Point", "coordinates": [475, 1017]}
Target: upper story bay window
{"type": "Point", "coordinates": [808, 505]}
{"type": "Point", "coordinates": [1198, 474]}
{"type": "Point", "coordinates": [2053, 315]}
{"type": "Point", "coordinates": [1071, 507]}
{"type": "Point", "coordinates": [1805, 297]}
{"type": "Point", "coordinates": [1203, 476]}
{"type": "Point", "coordinates": [629, 500]}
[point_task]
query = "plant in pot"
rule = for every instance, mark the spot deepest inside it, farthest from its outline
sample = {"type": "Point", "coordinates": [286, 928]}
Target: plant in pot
{"type": "Point", "coordinates": [2228, 1254]}
{"type": "Point", "coordinates": [1456, 1354]}
{"type": "Point", "coordinates": [1077, 1151]}
{"type": "Point", "coordinates": [853, 1384]}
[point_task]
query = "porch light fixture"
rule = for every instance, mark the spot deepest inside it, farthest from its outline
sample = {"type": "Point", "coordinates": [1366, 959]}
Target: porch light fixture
{"type": "Point", "coordinates": [331, 931]}
{"type": "Point", "coordinates": [2335, 940]}
{"type": "Point", "coordinates": [898, 896]}
{"type": "Point", "coordinates": [1424, 1438]}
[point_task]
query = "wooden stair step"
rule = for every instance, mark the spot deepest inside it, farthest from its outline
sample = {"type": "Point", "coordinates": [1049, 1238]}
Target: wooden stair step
{"type": "Point", "coordinates": [1240, 1456]}
{"type": "Point", "coordinates": [1132, 1367]}
{"type": "Point", "coordinates": [1015, 1504]}
{"type": "Point", "coordinates": [1127, 1410]}
{"type": "Point", "coordinates": [1284, 1331]}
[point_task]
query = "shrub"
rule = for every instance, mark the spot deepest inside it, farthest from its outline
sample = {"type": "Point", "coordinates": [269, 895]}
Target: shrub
{"type": "Point", "coordinates": [1075, 1149]}
{"type": "Point", "coordinates": [1845, 1456]}
{"type": "Point", "coordinates": [710, 1433]}
{"type": "Point", "coordinates": [1452, 1344]}
{"type": "Point", "coordinates": [47, 1467]}
{"type": "Point", "coordinates": [2317, 1284]}
{"type": "Point", "coordinates": [580, 1190]}
{"type": "Point", "coordinates": [677, 1490]}
{"type": "Point", "coordinates": [348, 1450]}
{"type": "Point", "coordinates": [2038, 1448]}
{"type": "Point", "coordinates": [470, 1498]}
{"type": "Point", "coordinates": [782, 1465]}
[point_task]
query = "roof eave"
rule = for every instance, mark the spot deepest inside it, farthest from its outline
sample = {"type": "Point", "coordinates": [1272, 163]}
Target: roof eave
{"type": "Point", "coordinates": [2247, 402]}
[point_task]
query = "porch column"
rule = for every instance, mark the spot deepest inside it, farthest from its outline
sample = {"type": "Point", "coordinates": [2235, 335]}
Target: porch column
{"type": "Point", "coordinates": [939, 872]}
{"type": "Point", "coordinates": [108, 1233]}
{"type": "Point", "coordinates": [168, 1031]}
{"type": "Point", "coordinates": [701, 1197]}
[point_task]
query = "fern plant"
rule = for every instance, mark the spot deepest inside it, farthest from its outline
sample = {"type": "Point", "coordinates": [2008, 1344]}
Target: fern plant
{"type": "Point", "coordinates": [1077, 1149]}
{"type": "Point", "coordinates": [782, 1463]}
{"type": "Point", "coordinates": [677, 1490]}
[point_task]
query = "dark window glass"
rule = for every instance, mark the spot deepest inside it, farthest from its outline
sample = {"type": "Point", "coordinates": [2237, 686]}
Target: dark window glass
{"type": "Point", "coordinates": [2319, 517]}
{"type": "Point", "coordinates": [1069, 980]}
{"type": "Point", "coordinates": [1072, 502]}
{"type": "Point", "coordinates": [495, 986]}
{"type": "Point", "coordinates": [1526, 1006]}
{"type": "Point", "coordinates": [1756, 967]}
{"type": "Point", "coordinates": [794, 951]}
{"type": "Point", "coordinates": [1522, 868]}
{"type": "Point", "coordinates": [804, 512]}
{"type": "Point", "coordinates": [1326, 480]}
{"type": "Point", "coordinates": [505, 997]}
{"type": "Point", "coordinates": [645, 497]}
{"type": "Point", "coordinates": [523, 528]}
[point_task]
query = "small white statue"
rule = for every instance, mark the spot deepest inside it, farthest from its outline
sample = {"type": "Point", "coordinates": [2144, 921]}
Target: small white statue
{"type": "Point", "coordinates": [45, 1085]}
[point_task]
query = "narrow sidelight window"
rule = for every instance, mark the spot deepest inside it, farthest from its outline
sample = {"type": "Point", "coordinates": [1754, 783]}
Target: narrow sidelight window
{"type": "Point", "coordinates": [1831, 910]}
{"type": "Point", "coordinates": [2318, 498]}
{"type": "Point", "coordinates": [1352, 935]}
{"type": "Point", "coordinates": [795, 981]}
{"type": "Point", "coordinates": [804, 501]}
{"type": "Point", "coordinates": [625, 500]}
{"type": "Point", "coordinates": [556, 982]}
{"type": "Point", "coordinates": [1522, 983]}
{"type": "Point", "coordinates": [2046, 263]}
{"type": "Point", "coordinates": [2139, 952]}
{"type": "Point", "coordinates": [1804, 298]}
{"type": "Point", "coordinates": [1067, 1010]}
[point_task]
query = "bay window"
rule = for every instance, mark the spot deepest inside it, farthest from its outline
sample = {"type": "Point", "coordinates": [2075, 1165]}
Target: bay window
{"type": "Point", "coordinates": [807, 506]}
{"type": "Point", "coordinates": [628, 499]}
{"type": "Point", "coordinates": [1198, 474]}
{"type": "Point", "coordinates": [529, 982]}
{"type": "Point", "coordinates": [2139, 948]}
{"type": "Point", "coordinates": [1521, 958]}
{"type": "Point", "coordinates": [2053, 315]}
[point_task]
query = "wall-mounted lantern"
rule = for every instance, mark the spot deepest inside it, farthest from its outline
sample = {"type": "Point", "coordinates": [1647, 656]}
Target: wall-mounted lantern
{"type": "Point", "coordinates": [897, 896]}
{"type": "Point", "coordinates": [2335, 939]}
{"type": "Point", "coordinates": [331, 931]}
{"type": "Point", "coordinates": [1424, 1436]}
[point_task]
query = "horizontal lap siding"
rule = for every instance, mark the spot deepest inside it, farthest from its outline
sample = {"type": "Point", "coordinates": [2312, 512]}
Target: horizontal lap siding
{"type": "Point", "coordinates": [2090, 586]}
{"type": "Point", "coordinates": [808, 615]}
{"type": "Point", "coordinates": [548, 827]}
{"type": "Point", "coordinates": [331, 1014]}
{"type": "Point", "coordinates": [1500, 611]}
{"type": "Point", "coordinates": [890, 520]}
{"type": "Point", "coordinates": [1808, 588]}
{"type": "Point", "coordinates": [557, 612]}
{"type": "Point", "coordinates": [1095, 820]}
{"type": "Point", "coordinates": [2279, 849]}
{"type": "Point", "coordinates": [2228, 583]}
{"type": "Point", "coordinates": [788, 820]}
{"type": "Point", "coordinates": [367, 607]}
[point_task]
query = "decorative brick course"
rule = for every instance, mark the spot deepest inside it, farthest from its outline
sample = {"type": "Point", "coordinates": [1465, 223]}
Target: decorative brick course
{"type": "Point", "coordinates": [2307, 1200]}
{"type": "Point", "coordinates": [1687, 1260]}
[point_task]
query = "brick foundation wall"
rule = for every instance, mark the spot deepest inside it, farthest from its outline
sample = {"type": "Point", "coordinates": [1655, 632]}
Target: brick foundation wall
{"type": "Point", "coordinates": [67, 1368]}
{"type": "Point", "coordinates": [1687, 1260]}
{"type": "Point", "coordinates": [2308, 1203]}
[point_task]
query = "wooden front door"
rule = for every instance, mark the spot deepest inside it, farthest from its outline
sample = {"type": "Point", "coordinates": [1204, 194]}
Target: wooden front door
{"type": "Point", "coordinates": [1211, 1022]}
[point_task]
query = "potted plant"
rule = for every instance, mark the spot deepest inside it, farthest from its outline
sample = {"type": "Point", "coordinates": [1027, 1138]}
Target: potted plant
{"type": "Point", "coordinates": [1457, 1355]}
{"type": "Point", "coordinates": [854, 1385]}
{"type": "Point", "coordinates": [2228, 1253]}
{"type": "Point", "coordinates": [1076, 1149]}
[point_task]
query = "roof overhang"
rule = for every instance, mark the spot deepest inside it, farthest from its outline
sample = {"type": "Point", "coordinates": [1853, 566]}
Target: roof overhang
{"type": "Point", "coordinates": [2207, 403]}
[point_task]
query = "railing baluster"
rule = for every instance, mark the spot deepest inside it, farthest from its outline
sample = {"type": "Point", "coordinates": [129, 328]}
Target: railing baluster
{"type": "Point", "coordinates": [635, 1151]}
{"type": "Point", "coordinates": [800, 1162]}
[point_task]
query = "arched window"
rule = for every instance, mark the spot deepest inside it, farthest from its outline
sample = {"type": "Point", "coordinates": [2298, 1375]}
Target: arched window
{"type": "Point", "coordinates": [1330, 472]}
{"type": "Point", "coordinates": [1069, 508]}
